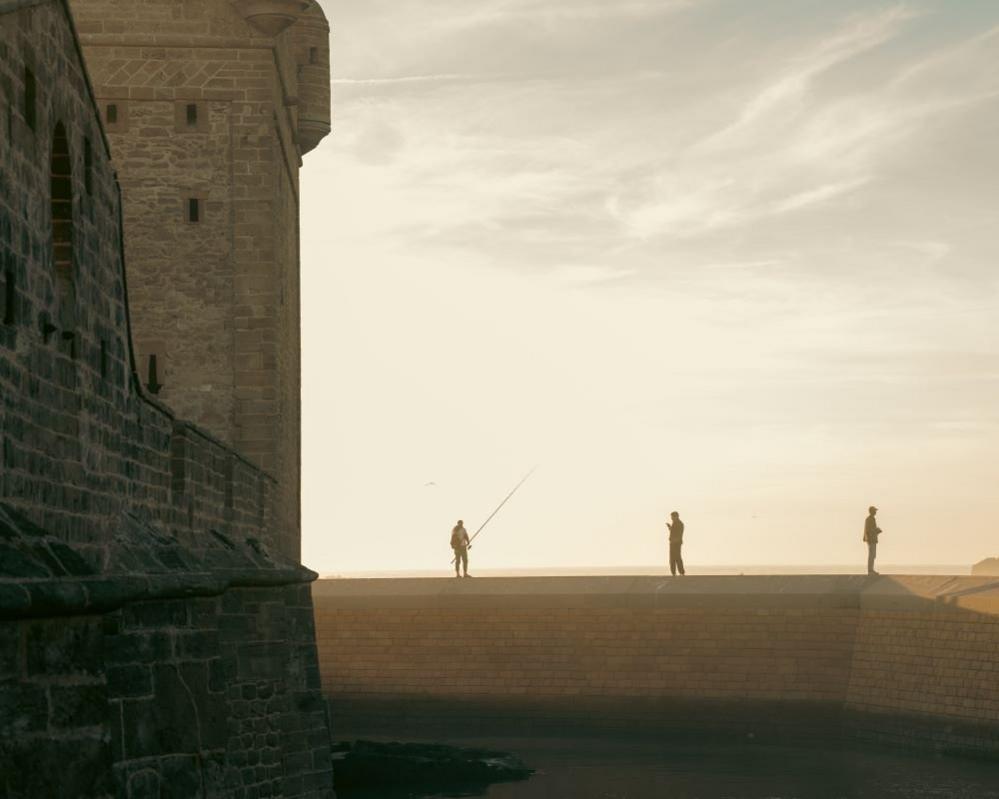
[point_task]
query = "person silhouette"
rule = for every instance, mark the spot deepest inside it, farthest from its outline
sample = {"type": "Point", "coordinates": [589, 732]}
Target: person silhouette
{"type": "Point", "coordinates": [871, 533]}
{"type": "Point", "coordinates": [675, 544]}
{"type": "Point", "coordinates": [460, 543]}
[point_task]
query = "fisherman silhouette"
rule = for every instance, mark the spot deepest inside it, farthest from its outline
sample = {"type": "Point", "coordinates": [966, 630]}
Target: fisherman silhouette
{"type": "Point", "coordinates": [871, 533]}
{"type": "Point", "coordinates": [460, 544]}
{"type": "Point", "coordinates": [675, 544]}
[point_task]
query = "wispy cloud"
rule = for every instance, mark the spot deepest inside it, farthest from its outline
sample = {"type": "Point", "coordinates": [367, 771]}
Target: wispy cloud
{"type": "Point", "coordinates": [784, 94]}
{"type": "Point", "coordinates": [567, 12]}
{"type": "Point", "coordinates": [818, 195]}
{"type": "Point", "coordinates": [407, 79]}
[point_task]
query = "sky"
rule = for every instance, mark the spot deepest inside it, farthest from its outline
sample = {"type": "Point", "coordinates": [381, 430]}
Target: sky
{"type": "Point", "coordinates": [733, 259]}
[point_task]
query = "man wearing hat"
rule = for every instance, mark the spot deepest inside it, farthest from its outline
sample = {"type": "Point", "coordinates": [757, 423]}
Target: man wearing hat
{"type": "Point", "coordinates": [871, 533]}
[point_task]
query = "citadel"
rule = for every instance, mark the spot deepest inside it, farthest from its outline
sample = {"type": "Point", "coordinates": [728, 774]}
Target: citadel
{"type": "Point", "coordinates": [157, 634]}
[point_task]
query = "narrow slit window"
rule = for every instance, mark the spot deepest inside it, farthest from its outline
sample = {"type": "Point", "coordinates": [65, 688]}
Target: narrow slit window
{"type": "Point", "coordinates": [9, 298]}
{"type": "Point", "coordinates": [111, 114]}
{"type": "Point", "coordinates": [192, 115]}
{"type": "Point", "coordinates": [88, 166]}
{"type": "Point", "coordinates": [30, 99]}
{"type": "Point", "coordinates": [194, 210]}
{"type": "Point", "coordinates": [313, 55]}
{"type": "Point", "coordinates": [152, 376]}
{"type": "Point", "coordinates": [104, 359]}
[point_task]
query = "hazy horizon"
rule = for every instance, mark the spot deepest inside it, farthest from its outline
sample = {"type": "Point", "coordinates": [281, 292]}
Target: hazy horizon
{"type": "Point", "coordinates": [736, 260]}
{"type": "Point", "coordinates": [693, 570]}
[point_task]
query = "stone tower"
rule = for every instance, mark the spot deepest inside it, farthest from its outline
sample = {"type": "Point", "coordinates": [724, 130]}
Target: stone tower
{"type": "Point", "coordinates": [209, 106]}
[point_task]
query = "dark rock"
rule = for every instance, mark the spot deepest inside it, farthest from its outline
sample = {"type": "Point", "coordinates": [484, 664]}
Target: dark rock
{"type": "Point", "coordinates": [365, 766]}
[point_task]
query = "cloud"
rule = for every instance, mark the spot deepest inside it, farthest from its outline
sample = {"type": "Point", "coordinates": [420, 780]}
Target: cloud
{"type": "Point", "coordinates": [379, 143]}
{"type": "Point", "coordinates": [818, 195]}
{"type": "Point", "coordinates": [589, 274]}
{"type": "Point", "coordinates": [407, 80]}
{"type": "Point", "coordinates": [784, 95]}
{"type": "Point", "coordinates": [565, 12]}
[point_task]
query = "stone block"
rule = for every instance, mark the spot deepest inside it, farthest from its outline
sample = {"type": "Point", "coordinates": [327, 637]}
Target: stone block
{"type": "Point", "coordinates": [181, 778]}
{"type": "Point", "coordinates": [73, 706]}
{"type": "Point", "coordinates": [10, 648]}
{"type": "Point", "coordinates": [164, 724]}
{"type": "Point", "coordinates": [129, 681]}
{"type": "Point", "coordinates": [64, 647]}
{"type": "Point", "coordinates": [144, 784]}
{"type": "Point", "coordinates": [138, 647]}
{"type": "Point", "coordinates": [73, 767]}
{"type": "Point", "coordinates": [198, 644]}
{"type": "Point", "coordinates": [23, 708]}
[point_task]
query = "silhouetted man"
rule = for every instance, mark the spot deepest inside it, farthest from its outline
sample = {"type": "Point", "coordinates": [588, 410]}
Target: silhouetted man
{"type": "Point", "coordinates": [675, 544]}
{"type": "Point", "coordinates": [459, 543]}
{"type": "Point", "coordinates": [871, 533]}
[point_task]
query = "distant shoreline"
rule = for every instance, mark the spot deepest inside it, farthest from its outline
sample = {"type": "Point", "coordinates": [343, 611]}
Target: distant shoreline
{"type": "Point", "coordinates": [692, 569]}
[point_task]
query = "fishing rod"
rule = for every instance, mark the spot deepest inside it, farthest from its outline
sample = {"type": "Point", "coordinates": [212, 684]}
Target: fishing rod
{"type": "Point", "coordinates": [482, 526]}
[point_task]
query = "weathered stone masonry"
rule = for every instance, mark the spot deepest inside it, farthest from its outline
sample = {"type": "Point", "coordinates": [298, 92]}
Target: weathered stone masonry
{"type": "Point", "coordinates": [155, 637]}
{"type": "Point", "coordinates": [214, 103]}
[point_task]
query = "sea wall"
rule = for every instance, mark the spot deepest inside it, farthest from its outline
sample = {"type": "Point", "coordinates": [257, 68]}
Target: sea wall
{"type": "Point", "coordinates": [906, 660]}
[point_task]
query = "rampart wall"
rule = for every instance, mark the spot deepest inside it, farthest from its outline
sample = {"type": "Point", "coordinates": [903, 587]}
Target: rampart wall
{"type": "Point", "coordinates": [155, 637]}
{"type": "Point", "coordinates": [905, 660]}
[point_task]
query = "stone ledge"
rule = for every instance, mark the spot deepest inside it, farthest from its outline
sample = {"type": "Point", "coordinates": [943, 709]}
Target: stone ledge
{"type": "Point", "coordinates": [857, 592]}
{"type": "Point", "coordinates": [89, 596]}
{"type": "Point", "coordinates": [41, 575]}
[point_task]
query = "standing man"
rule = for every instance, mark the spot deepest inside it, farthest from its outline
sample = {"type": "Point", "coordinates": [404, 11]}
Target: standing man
{"type": "Point", "coordinates": [459, 543]}
{"type": "Point", "coordinates": [675, 544]}
{"type": "Point", "coordinates": [871, 533]}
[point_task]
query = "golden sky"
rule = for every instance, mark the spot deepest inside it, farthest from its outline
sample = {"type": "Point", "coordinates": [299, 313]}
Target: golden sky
{"type": "Point", "coordinates": [733, 259]}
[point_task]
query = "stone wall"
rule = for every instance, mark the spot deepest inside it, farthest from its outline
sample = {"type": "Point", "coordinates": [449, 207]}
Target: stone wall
{"type": "Point", "coordinates": [925, 663]}
{"type": "Point", "coordinates": [81, 439]}
{"type": "Point", "coordinates": [208, 106]}
{"type": "Point", "coordinates": [167, 671]}
{"type": "Point", "coordinates": [155, 637]}
{"type": "Point", "coordinates": [901, 659]}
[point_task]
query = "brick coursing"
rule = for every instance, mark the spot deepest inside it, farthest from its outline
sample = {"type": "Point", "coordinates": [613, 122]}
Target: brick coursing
{"type": "Point", "coordinates": [217, 301]}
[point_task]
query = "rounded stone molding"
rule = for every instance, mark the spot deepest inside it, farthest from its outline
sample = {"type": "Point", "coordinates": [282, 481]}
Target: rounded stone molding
{"type": "Point", "coordinates": [271, 16]}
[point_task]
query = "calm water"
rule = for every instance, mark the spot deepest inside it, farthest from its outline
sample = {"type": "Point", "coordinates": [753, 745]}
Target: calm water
{"type": "Point", "coordinates": [608, 769]}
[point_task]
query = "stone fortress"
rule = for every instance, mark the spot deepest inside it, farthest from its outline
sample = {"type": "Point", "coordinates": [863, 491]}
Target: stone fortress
{"type": "Point", "coordinates": [158, 635]}
{"type": "Point", "coordinates": [156, 625]}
